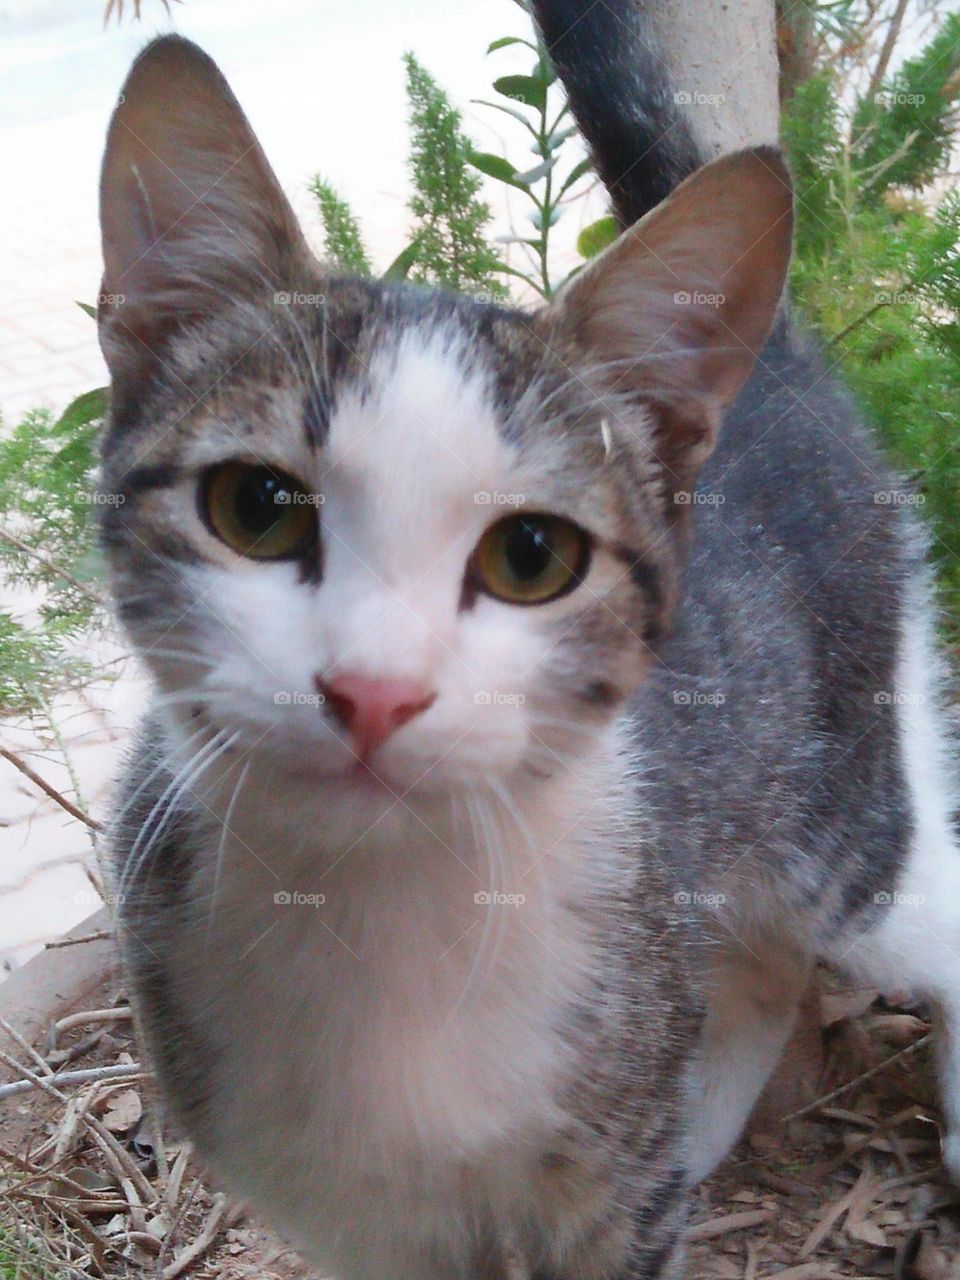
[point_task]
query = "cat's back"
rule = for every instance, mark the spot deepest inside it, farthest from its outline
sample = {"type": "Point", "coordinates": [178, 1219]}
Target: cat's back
{"type": "Point", "coordinates": [769, 718]}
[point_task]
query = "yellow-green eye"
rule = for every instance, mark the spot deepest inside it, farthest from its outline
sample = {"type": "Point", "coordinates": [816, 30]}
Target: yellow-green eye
{"type": "Point", "coordinates": [529, 559]}
{"type": "Point", "coordinates": [258, 512]}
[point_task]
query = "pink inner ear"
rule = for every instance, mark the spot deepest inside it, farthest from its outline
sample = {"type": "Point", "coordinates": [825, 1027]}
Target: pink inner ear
{"type": "Point", "coordinates": [686, 298]}
{"type": "Point", "coordinates": [191, 211]}
{"type": "Point", "coordinates": [681, 305]}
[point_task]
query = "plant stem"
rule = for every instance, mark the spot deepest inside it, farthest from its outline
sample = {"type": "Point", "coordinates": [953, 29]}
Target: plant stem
{"type": "Point", "coordinates": [52, 792]}
{"type": "Point", "coordinates": [13, 541]}
{"type": "Point", "coordinates": [855, 324]}
{"type": "Point", "coordinates": [546, 206]}
{"type": "Point", "coordinates": [886, 51]}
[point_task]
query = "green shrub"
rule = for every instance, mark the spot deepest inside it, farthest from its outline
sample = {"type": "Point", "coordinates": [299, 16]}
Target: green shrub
{"type": "Point", "coordinates": [877, 267]}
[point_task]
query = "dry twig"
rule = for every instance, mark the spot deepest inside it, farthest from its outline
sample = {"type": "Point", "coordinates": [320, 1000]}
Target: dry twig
{"type": "Point", "coordinates": [12, 758]}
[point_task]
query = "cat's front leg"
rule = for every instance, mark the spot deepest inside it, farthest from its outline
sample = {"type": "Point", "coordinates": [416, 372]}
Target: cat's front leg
{"type": "Point", "coordinates": [647, 1244]}
{"type": "Point", "coordinates": [753, 996]}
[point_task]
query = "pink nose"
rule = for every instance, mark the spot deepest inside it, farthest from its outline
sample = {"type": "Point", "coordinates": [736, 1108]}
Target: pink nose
{"type": "Point", "coordinates": [371, 709]}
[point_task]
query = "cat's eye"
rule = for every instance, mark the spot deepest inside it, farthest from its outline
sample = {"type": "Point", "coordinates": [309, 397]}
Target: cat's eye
{"type": "Point", "coordinates": [530, 559]}
{"type": "Point", "coordinates": [258, 512]}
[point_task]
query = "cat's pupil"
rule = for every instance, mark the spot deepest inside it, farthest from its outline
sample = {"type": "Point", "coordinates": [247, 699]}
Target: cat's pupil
{"type": "Point", "coordinates": [528, 551]}
{"type": "Point", "coordinates": [261, 499]}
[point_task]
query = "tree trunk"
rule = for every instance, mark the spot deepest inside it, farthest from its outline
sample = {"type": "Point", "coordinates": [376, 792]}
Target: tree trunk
{"type": "Point", "coordinates": [722, 56]}
{"type": "Point", "coordinates": [796, 45]}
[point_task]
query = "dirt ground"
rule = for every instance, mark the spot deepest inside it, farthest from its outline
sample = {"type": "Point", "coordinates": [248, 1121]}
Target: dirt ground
{"type": "Point", "coordinates": [852, 1186]}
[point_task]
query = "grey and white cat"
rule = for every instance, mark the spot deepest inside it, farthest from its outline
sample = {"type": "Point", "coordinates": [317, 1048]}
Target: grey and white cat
{"type": "Point", "coordinates": [498, 793]}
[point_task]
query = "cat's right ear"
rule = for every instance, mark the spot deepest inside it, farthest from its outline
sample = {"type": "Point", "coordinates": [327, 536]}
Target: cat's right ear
{"type": "Point", "coordinates": [190, 210]}
{"type": "Point", "coordinates": [677, 310]}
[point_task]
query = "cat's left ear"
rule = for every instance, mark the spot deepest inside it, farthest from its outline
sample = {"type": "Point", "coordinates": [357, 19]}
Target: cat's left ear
{"type": "Point", "coordinates": [678, 309]}
{"type": "Point", "coordinates": [191, 213]}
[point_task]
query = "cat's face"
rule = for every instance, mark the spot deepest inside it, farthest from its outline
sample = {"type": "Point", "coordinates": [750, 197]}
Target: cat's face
{"type": "Point", "coordinates": [452, 506]}
{"type": "Point", "coordinates": [369, 530]}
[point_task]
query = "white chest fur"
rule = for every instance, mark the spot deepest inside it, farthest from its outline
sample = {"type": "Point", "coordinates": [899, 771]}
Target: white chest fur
{"type": "Point", "coordinates": [388, 1019]}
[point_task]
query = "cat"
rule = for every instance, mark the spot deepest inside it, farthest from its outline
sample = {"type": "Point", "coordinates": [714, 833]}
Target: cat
{"type": "Point", "coordinates": [538, 694]}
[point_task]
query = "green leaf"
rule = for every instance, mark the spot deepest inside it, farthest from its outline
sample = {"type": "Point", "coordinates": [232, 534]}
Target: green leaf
{"type": "Point", "coordinates": [575, 174]}
{"type": "Point", "coordinates": [91, 406]}
{"type": "Point", "coordinates": [546, 72]}
{"type": "Point", "coordinates": [595, 237]}
{"type": "Point", "coordinates": [532, 281]}
{"type": "Point", "coordinates": [528, 89]}
{"type": "Point", "coordinates": [399, 268]}
{"type": "Point", "coordinates": [556, 140]}
{"type": "Point", "coordinates": [539, 171]}
{"type": "Point", "coordinates": [510, 111]}
{"type": "Point", "coordinates": [498, 167]}
{"type": "Point", "coordinates": [506, 40]}
{"type": "Point", "coordinates": [91, 311]}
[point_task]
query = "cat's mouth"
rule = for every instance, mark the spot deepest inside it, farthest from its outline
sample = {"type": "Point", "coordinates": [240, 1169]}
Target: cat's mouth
{"type": "Point", "coordinates": [354, 775]}
{"type": "Point", "coordinates": [366, 778]}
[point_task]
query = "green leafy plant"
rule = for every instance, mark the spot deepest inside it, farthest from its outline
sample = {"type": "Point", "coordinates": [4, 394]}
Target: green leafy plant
{"type": "Point", "coordinates": [342, 239]}
{"type": "Point", "coordinates": [449, 245]}
{"type": "Point", "coordinates": [543, 112]}
{"type": "Point", "coordinates": [877, 265]}
{"type": "Point", "coordinates": [47, 543]}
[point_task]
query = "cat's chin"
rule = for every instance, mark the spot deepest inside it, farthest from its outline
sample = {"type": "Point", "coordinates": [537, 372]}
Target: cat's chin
{"type": "Point", "coordinates": [404, 784]}
{"type": "Point", "coordinates": [358, 779]}
{"type": "Point", "coordinates": [315, 774]}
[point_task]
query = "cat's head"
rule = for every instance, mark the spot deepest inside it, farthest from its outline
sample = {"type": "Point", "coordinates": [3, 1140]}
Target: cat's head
{"type": "Point", "coordinates": [366, 522]}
